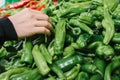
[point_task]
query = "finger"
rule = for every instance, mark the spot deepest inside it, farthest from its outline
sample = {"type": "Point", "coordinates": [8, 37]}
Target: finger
{"type": "Point", "coordinates": [42, 30]}
{"type": "Point", "coordinates": [44, 24]}
{"type": "Point", "coordinates": [40, 16]}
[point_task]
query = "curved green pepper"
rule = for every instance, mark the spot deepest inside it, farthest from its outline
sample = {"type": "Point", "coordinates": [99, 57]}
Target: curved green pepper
{"type": "Point", "coordinates": [71, 74]}
{"type": "Point", "coordinates": [27, 75]}
{"type": "Point", "coordinates": [45, 53]}
{"type": "Point", "coordinates": [84, 27]}
{"type": "Point", "coordinates": [6, 75]}
{"type": "Point", "coordinates": [108, 25]}
{"type": "Point", "coordinates": [27, 52]}
{"type": "Point", "coordinates": [68, 51]}
{"type": "Point", "coordinates": [40, 61]}
{"type": "Point", "coordinates": [110, 67]}
{"type": "Point", "coordinates": [60, 33]}
{"type": "Point", "coordinates": [91, 68]}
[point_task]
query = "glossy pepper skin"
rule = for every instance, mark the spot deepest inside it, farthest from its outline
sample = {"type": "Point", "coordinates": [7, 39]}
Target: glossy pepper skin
{"type": "Point", "coordinates": [6, 75]}
{"type": "Point", "coordinates": [112, 4]}
{"type": "Point", "coordinates": [116, 38]}
{"type": "Point", "coordinates": [96, 77]}
{"type": "Point", "coordinates": [110, 67]}
{"type": "Point", "coordinates": [67, 63]}
{"type": "Point", "coordinates": [57, 71]}
{"type": "Point", "coordinates": [68, 51]}
{"type": "Point", "coordinates": [91, 68]}
{"type": "Point", "coordinates": [45, 53]}
{"type": "Point", "coordinates": [71, 74]}
{"type": "Point", "coordinates": [27, 75]}
{"type": "Point", "coordinates": [82, 40]}
{"type": "Point", "coordinates": [103, 51]}
{"type": "Point", "coordinates": [100, 64]}
{"type": "Point", "coordinates": [77, 9]}
{"type": "Point", "coordinates": [83, 26]}
{"type": "Point", "coordinates": [60, 33]}
{"type": "Point", "coordinates": [82, 76]}
{"type": "Point", "coordinates": [27, 56]}
{"type": "Point", "coordinates": [108, 25]}
{"type": "Point", "coordinates": [40, 61]}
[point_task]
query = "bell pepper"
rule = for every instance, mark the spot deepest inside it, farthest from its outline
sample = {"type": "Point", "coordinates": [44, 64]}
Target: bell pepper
{"type": "Point", "coordinates": [40, 61]}
{"type": "Point", "coordinates": [60, 33]}
{"type": "Point", "coordinates": [67, 63]}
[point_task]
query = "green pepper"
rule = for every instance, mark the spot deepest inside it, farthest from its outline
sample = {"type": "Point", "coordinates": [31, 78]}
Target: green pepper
{"type": "Point", "coordinates": [103, 51]}
{"type": "Point", "coordinates": [71, 74]}
{"type": "Point", "coordinates": [50, 78]}
{"type": "Point", "coordinates": [40, 61]}
{"type": "Point", "coordinates": [108, 25]}
{"type": "Point", "coordinates": [110, 67]}
{"type": "Point", "coordinates": [76, 8]}
{"type": "Point", "coordinates": [57, 71]}
{"type": "Point", "coordinates": [96, 77]}
{"type": "Point", "coordinates": [83, 26]}
{"type": "Point", "coordinates": [82, 40]}
{"type": "Point", "coordinates": [115, 77]}
{"type": "Point", "coordinates": [6, 75]}
{"type": "Point", "coordinates": [60, 33]}
{"type": "Point", "coordinates": [116, 38]}
{"type": "Point", "coordinates": [51, 48]}
{"type": "Point", "coordinates": [68, 51]}
{"type": "Point", "coordinates": [82, 76]}
{"type": "Point", "coordinates": [86, 18]}
{"type": "Point", "coordinates": [67, 63]}
{"type": "Point", "coordinates": [100, 64]}
{"type": "Point", "coordinates": [69, 38]}
{"type": "Point", "coordinates": [3, 52]}
{"type": "Point", "coordinates": [27, 75]}
{"type": "Point", "coordinates": [45, 53]}
{"type": "Point", "coordinates": [117, 47]}
{"type": "Point", "coordinates": [111, 5]}
{"type": "Point", "coordinates": [91, 68]}
{"type": "Point", "coordinates": [27, 52]}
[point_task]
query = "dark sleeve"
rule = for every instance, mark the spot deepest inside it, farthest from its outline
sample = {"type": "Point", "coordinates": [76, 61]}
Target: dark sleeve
{"type": "Point", "coordinates": [7, 31]}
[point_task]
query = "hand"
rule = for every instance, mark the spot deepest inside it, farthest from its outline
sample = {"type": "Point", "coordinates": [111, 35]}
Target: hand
{"type": "Point", "coordinates": [29, 22]}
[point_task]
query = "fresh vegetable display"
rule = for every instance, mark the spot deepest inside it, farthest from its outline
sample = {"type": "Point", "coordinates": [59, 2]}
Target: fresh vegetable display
{"type": "Point", "coordinates": [84, 45]}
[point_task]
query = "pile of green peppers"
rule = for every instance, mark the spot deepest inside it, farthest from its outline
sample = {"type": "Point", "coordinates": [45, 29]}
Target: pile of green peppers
{"type": "Point", "coordinates": [84, 45]}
